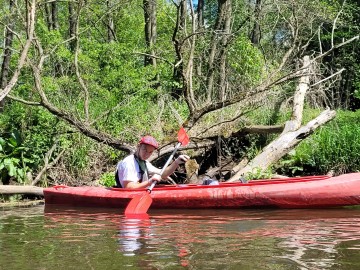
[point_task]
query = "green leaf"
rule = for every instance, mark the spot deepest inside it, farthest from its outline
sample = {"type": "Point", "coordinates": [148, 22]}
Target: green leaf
{"type": "Point", "coordinates": [27, 160]}
{"type": "Point", "coordinates": [11, 169]}
{"type": "Point", "coordinates": [2, 144]}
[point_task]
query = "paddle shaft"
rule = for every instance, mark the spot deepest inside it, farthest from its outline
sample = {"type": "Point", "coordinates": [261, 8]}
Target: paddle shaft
{"type": "Point", "coordinates": [166, 164]}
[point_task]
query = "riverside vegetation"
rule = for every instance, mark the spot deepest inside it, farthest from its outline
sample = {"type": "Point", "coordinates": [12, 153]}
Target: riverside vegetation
{"type": "Point", "coordinates": [82, 81]}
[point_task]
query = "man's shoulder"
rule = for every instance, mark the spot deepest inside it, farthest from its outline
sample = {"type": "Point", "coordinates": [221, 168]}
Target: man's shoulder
{"type": "Point", "coordinates": [127, 159]}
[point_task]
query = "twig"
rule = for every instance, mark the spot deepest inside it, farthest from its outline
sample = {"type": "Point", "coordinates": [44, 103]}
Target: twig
{"type": "Point", "coordinates": [47, 164]}
{"type": "Point", "coordinates": [328, 78]}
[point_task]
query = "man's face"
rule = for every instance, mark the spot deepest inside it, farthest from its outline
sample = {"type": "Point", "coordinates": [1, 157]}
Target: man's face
{"type": "Point", "coordinates": [145, 151]}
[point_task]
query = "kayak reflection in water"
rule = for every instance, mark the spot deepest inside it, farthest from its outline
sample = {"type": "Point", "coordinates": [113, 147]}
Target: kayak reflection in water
{"type": "Point", "coordinates": [132, 234]}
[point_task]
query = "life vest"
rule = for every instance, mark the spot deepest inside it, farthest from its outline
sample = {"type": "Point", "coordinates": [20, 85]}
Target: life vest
{"type": "Point", "coordinates": [142, 167]}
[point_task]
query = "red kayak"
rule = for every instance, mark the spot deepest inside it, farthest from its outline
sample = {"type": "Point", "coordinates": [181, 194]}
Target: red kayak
{"type": "Point", "coordinates": [299, 192]}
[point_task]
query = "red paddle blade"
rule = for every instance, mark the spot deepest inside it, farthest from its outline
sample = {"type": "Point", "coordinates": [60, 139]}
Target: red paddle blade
{"type": "Point", "coordinates": [139, 204]}
{"type": "Point", "coordinates": [183, 138]}
{"type": "Point", "coordinates": [137, 216]}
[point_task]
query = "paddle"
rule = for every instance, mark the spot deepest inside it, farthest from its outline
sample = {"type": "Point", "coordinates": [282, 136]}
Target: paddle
{"type": "Point", "coordinates": [141, 203]}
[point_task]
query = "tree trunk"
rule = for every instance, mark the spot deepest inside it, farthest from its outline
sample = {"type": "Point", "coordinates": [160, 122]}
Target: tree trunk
{"type": "Point", "coordinates": [110, 27]}
{"type": "Point", "coordinates": [292, 134]}
{"type": "Point", "coordinates": [48, 15]}
{"type": "Point", "coordinates": [223, 49]}
{"type": "Point", "coordinates": [5, 66]}
{"type": "Point", "coordinates": [178, 74]}
{"type": "Point", "coordinates": [150, 31]}
{"type": "Point", "coordinates": [51, 15]}
{"type": "Point", "coordinates": [299, 97]}
{"type": "Point", "coordinates": [278, 148]}
{"type": "Point", "coordinates": [30, 26]}
{"type": "Point", "coordinates": [255, 33]}
{"type": "Point", "coordinates": [217, 54]}
{"type": "Point", "coordinates": [54, 16]}
{"type": "Point", "coordinates": [200, 14]}
{"type": "Point", "coordinates": [72, 26]}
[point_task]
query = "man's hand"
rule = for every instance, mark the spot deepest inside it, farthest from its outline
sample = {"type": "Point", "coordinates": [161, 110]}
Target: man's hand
{"type": "Point", "coordinates": [181, 159]}
{"type": "Point", "coordinates": [155, 177]}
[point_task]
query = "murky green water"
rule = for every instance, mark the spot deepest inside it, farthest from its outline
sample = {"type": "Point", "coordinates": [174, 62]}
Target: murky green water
{"type": "Point", "coordinates": [38, 238]}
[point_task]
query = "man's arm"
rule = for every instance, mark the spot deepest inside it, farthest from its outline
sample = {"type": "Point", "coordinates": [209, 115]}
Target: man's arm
{"type": "Point", "coordinates": [144, 184]}
{"type": "Point", "coordinates": [130, 184]}
{"type": "Point", "coordinates": [173, 166]}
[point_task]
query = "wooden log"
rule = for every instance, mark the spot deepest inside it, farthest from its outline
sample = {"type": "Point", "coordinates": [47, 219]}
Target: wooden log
{"type": "Point", "coordinates": [293, 132]}
{"type": "Point", "coordinates": [283, 145]}
{"type": "Point", "coordinates": [13, 189]}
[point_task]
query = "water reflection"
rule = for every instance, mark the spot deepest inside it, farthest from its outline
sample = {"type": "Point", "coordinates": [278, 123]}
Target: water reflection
{"type": "Point", "coordinates": [133, 233]}
{"type": "Point", "coordinates": [199, 239]}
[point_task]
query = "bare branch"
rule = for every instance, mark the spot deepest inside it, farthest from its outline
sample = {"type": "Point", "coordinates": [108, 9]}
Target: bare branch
{"type": "Point", "coordinates": [328, 78]}
{"type": "Point", "coordinates": [77, 70]}
{"type": "Point", "coordinates": [47, 164]}
{"type": "Point", "coordinates": [30, 35]}
{"type": "Point", "coordinates": [84, 128]}
{"type": "Point", "coordinates": [336, 47]}
{"type": "Point", "coordinates": [155, 56]}
{"type": "Point", "coordinates": [334, 23]}
{"type": "Point", "coordinates": [26, 102]}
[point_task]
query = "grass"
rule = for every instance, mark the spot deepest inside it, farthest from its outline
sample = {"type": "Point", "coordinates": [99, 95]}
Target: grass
{"type": "Point", "coordinates": [333, 147]}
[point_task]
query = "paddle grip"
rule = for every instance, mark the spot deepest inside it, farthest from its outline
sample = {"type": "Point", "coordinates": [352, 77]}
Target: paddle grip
{"type": "Point", "coordinates": [166, 164]}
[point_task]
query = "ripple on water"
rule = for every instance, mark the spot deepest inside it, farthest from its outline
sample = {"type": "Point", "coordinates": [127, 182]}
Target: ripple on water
{"type": "Point", "coordinates": [195, 239]}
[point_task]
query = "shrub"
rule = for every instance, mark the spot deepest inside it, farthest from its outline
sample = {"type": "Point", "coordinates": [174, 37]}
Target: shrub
{"type": "Point", "coordinates": [333, 147]}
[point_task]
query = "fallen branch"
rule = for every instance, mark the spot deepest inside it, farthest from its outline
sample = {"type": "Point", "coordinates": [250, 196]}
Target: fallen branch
{"type": "Point", "coordinates": [282, 145]}
{"type": "Point", "coordinates": [29, 190]}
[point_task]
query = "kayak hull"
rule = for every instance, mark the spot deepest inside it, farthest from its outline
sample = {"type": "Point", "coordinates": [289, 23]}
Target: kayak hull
{"type": "Point", "coordinates": [302, 192]}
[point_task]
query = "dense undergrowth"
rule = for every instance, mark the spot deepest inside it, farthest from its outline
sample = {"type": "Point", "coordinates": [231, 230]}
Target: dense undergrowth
{"type": "Point", "coordinates": [333, 147]}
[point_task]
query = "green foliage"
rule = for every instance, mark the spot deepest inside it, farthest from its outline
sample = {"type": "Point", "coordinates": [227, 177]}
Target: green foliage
{"type": "Point", "coordinates": [127, 100]}
{"type": "Point", "coordinates": [355, 82]}
{"type": "Point", "coordinates": [78, 158]}
{"type": "Point", "coordinates": [344, 93]}
{"type": "Point", "coordinates": [107, 180]}
{"type": "Point", "coordinates": [246, 60]}
{"type": "Point", "coordinates": [357, 91]}
{"type": "Point", "coordinates": [258, 173]}
{"type": "Point", "coordinates": [334, 147]}
{"type": "Point", "coordinates": [13, 160]}
{"type": "Point", "coordinates": [27, 133]}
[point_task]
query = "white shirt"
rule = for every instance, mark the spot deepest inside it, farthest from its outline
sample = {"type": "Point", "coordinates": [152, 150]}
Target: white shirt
{"type": "Point", "coordinates": [128, 170]}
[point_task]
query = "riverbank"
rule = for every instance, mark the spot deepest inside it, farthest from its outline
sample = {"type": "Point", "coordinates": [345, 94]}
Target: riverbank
{"type": "Point", "coordinates": [21, 203]}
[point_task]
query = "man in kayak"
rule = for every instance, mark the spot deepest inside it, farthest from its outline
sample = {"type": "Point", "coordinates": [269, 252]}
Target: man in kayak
{"type": "Point", "coordinates": [134, 171]}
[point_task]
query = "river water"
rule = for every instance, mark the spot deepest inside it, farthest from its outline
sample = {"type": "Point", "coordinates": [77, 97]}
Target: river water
{"type": "Point", "coordinates": [63, 238]}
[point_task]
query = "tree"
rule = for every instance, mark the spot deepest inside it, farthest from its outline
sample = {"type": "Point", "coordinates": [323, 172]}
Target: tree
{"type": "Point", "coordinates": [150, 31]}
{"type": "Point", "coordinates": [9, 34]}
{"type": "Point", "coordinates": [110, 26]}
{"type": "Point", "coordinates": [72, 25]}
{"type": "Point", "coordinates": [255, 33]}
{"type": "Point", "coordinates": [51, 15]}
{"type": "Point", "coordinates": [29, 34]}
